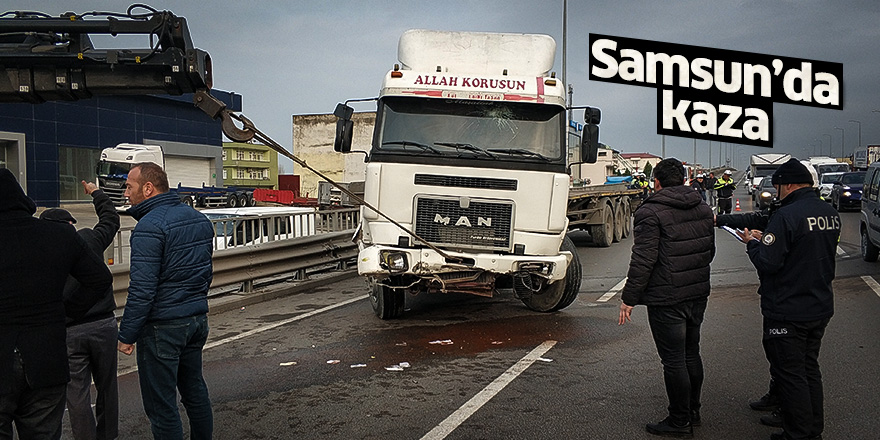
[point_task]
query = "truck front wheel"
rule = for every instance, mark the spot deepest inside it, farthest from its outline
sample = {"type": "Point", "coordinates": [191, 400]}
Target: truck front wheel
{"type": "Point", "coordinates": [387, 302]}
{"type": "Point", "coordinates": [559, 295]}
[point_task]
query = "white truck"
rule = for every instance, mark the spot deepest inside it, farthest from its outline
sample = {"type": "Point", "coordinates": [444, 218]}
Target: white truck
{"type": "Point", "coordinates": [763, 165]}
{"type": "Point", "coordinates": [469, 154]}
{"type": "Point", "coordinates": [825, 164]}
{"type": "Point", "coordinates": [185, 175]}
{"type": "Point", "coordinates": [863, 157]}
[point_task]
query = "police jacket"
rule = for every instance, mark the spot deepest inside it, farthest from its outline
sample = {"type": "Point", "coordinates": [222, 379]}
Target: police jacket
{"type": "Point", "coordinates": [795, 259]}
{"type": "Point", "coordinates": [724, 187]}
{"type": "Point", "coordinates": [171, 267]}
{"type": "Point", "coordinates": [36, 258]}
{"type": "Point", "coordinates": [674, 242]}
{"type": "Point", "coordinates": [97, 239]}
{"type": "Point", "coordinates": [751, 220]}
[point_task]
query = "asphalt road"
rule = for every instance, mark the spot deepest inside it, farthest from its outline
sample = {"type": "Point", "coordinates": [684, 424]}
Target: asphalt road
{"type": "Point", "coordinates": [316, 364]}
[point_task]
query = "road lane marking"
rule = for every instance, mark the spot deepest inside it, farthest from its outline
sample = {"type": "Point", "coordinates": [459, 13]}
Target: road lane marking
{"type": "Point", "coordinates": [471, 406]}
{"type": "Point", "coordinates": [840, 251]}
{"type": "Point", "coordinates": [614, 290]}
{"type": "Point", "coordinates": [263, 328]}
{"type": "Point", "coordinates": [872, 283]}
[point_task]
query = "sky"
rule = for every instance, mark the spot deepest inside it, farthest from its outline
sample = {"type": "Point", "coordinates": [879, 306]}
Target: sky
{"type": "Point", "coordinates": [303, 57]}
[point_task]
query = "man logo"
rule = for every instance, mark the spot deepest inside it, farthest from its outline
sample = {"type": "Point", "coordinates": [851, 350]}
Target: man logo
{"type": "Point", "coordinates": [768, 239]}
{"type": "Point", "coordinates": [463, 221]}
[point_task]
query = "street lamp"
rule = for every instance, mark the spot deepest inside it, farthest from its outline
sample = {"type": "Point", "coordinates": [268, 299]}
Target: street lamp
{"type": "Point", "coordinates": [860, 132]}
{"type": "Point", "coordinates": [829, 142]}
{"type": "Point", "coordinates": [842, 132]}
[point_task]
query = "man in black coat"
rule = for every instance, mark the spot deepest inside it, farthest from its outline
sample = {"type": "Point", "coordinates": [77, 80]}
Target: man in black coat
{"type": "Point", "coordinates": [91, 340]}
{"type": "Point", "coordinates": [674, 242]}
{"type": "Point", "coordinates": [36, 260]}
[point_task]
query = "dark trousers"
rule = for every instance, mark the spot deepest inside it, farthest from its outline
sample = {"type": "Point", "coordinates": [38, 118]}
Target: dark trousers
{"type": "Point", "coordinates": [91, 352]}
{"type": "Point", "coordinates": [36, 412]}
{"type": "Point", "coordinates": [793, 351]}
{"type": "Point", "coordinates": [676, 331]}
{"type": "Point", "coordinates": [724, 205]}
{"type": "Point", "coordinates": [169, 357]}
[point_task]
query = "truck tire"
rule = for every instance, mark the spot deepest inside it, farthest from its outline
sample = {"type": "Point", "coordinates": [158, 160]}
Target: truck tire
{"type": "Point", "coordinates": [618, 222]}
{"type": "Point", "coordinates": [561, 294]}
{"type": "Point", "coordinates": [387, 302]}
{"type": "Point", "coordinates": [231, 201]}
{"type": "Point", "coordinates": [188, 201]}
{"type": "Point", "coordinates": [201, 202]}
{"type": "Point", "coordinates": [242, 199]}
{"type": "Point", "coordinates": [603, 234]}
{"type": "Point", "coordinates": [627, 217]}
{"type": "Point", "coordinates": [251, 200]}
{"type": "Point", "coordinates": [869, 251]}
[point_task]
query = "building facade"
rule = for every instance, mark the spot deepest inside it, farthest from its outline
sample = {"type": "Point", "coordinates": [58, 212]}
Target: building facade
{"type": "Point", "coordinates": [249, 166]}
{"type": "Point", "coordinates": [51, 147]}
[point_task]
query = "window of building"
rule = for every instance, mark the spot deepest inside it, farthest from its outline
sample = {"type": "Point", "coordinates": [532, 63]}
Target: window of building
{"type": "Point", "coordinates": [224, 154]}
{"type": "Point", "coordinates": [75, 165]}
{"type": "Point", "coordinates": [239, 155]}
{"type": "Point", "coordinates": [224, 171]}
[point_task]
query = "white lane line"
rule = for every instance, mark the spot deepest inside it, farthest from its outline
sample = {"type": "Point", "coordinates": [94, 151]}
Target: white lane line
{"type": "Point", "coordinates": [614, 290]}
{"type": "Point", "coordinates": [840, 251]}
{"type": "Point", "coordinates": [872, 283]}
{"type": "Point", "coordinates": [471, 406]}
{"type": "Point", "coordinates": [262, 329]}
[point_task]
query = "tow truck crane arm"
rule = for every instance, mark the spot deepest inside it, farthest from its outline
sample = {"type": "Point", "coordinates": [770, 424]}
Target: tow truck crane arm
{"type": "Point", "coordinates": [44, 58]}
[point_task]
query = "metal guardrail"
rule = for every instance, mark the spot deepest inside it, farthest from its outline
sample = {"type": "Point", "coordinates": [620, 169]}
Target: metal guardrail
{"type": "Point", "coordinates": [330, 243]}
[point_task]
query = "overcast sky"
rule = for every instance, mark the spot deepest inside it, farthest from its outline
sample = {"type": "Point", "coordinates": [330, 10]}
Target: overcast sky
{"type": "Point", "coordinates": [302, 57]}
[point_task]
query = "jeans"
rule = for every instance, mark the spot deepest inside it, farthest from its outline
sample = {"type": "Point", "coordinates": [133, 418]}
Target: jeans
{"type": "Point", "coordinates": [793, 351]}
{"type": "Point", "coordinates": [91, 353]}
{"type": "Point", "coordinates": [36, 412]}
{"type": "Point", "coordinates": [169, 357]}
{"type": "Point", "coordinates": [676, 331]}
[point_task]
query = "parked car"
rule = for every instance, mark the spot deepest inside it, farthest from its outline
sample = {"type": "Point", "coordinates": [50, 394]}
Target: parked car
{"type": "Point", "coordinates": [826, 182]}
{"type": "Point", "coordinates": [847, 192]}
{"type": "Point", "coordinates": [869, 225]}
{"type": "Point", "coordinates": [764, 193]}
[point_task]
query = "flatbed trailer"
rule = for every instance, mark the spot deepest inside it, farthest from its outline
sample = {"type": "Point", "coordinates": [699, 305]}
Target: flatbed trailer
{"type": "Point", "coordinates": [605, 211]}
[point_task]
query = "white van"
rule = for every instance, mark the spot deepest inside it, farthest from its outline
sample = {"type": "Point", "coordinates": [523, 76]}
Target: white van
{"type": "Point", "coordinates": [234, 227]}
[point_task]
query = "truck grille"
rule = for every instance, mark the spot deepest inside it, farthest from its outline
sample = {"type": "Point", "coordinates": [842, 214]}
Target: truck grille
{"type": "Point", "coordinates": [464, 223]}
{"type": "Point", "coordinates": [465, 182]}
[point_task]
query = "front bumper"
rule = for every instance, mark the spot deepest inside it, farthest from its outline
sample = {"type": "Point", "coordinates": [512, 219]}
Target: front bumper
{"type": "Point", "coordinates": [427, 262]}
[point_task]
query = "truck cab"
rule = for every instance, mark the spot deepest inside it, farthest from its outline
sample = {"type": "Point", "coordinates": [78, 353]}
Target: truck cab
{"type": "Point", "coordinates": [468, 153]}
{"type": "Point", "coordinates": [112, 169]}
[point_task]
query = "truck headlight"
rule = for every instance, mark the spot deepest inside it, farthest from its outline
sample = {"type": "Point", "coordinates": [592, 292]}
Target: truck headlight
{"type": "Point", "coordinates": [394, 261]}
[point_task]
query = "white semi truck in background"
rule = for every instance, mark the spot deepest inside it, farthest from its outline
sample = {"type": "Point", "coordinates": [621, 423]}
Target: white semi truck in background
{"type": "Point", "coordinates": [763, 165]}
{"type": "Point", "coordinates": [184, 175]}
{"type": "Point", "coordinates": [469, 153]}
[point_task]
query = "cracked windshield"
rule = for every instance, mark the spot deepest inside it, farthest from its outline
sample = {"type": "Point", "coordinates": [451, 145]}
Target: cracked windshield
{"type": "Point", "coordinates": [472, 129]}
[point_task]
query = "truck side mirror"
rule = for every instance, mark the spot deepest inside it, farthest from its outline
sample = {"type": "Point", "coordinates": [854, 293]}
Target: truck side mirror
{"type": "Point", "coordinates": [590, 143]}
{"type": "Point", "coordinates": [344, 128]}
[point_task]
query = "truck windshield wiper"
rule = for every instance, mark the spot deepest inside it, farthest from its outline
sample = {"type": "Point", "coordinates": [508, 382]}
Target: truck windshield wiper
{"type": "Point", "coordinates": [520, 152]}
{"type": "Point", "coordinates": [405, 144]}
{"type": "Point", "coordinates": [468, 147]}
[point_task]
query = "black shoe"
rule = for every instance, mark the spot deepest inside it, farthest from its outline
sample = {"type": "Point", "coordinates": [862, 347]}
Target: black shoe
{"type": "Point", "coordinates": [765, 403]}
{"type": "Point", "coordinates": [695, 418]}
{"type": "Point", "coordinates": [667, 428]}
{"type": "Point", "coordinates": [773, 419]}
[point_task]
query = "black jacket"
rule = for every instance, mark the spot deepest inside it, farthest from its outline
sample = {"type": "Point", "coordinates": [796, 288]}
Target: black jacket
{"type": "Point", "coordinates": [674, 244]}
{"type": "Point", "coordinates": [36, 259]}
{"type": "Point", "coordinates": [725, 186]}
{"type": "Point", "coordinates": [795, 259]}
{"type": "Point", "coordinates": [98, 239]}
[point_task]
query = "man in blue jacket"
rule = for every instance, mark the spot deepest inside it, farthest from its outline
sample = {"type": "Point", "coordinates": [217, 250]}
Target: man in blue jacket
{"type": "Point", "coordinates": [167, 303]}
{"type": "Point", "coordinates": [794, 257]}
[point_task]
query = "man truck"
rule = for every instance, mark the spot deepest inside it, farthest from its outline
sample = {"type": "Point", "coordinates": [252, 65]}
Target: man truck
{"type": "Point", "coordinates": [468, 168]}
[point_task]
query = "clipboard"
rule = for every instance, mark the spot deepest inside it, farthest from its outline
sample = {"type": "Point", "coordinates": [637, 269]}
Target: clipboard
{"type": "Point", "coordinates": [733, 232]}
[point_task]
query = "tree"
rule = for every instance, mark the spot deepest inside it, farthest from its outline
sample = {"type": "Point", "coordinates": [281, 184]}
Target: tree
{"type": "Point", "coordinates": [648, 169]}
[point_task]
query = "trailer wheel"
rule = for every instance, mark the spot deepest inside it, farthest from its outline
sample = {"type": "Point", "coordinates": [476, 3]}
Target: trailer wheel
{"type": "Point", "coordinates": [242, 200]}
{"type": "Point", "coordinates": [561, 294]}
{"type": "Point", "coordinates": [201, 202]}
{"type": "Point", "coordinates": [251, 200]}
{"type": "Point", "coordinates": [618, 222]}
{"type": "Point", "coordinates": [627, 217]}
{"type": "Point", "coordinates": [604, 233]}
{"type": "Point", "coordinates": [231, 201]}
{"type": "Point", "coordinates": [188, 201]}
{"type": "Point", "coordinates": [387, 302]}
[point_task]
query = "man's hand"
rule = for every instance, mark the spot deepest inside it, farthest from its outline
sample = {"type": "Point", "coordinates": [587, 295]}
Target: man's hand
{"type": "Point", "coordinates": [89, 187]}
{"type": "Point", "coordinates": [625, 312]}
{"type": "Point", "coordinates": [748, 235]}
{"type": "Point", "coordinates": [124, 348]}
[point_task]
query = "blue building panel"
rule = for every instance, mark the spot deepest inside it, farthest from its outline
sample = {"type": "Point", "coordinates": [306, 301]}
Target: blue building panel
{"type": "Point", "coordinates": [44, 131]}
{"type": "Point", "coordinates": [76, 135]}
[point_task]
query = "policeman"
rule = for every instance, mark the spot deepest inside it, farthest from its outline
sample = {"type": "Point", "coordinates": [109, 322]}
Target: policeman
{"type": "Point", "coordinates": [795, 260]}
{"type": "Point", "coordinates": [724, 188]}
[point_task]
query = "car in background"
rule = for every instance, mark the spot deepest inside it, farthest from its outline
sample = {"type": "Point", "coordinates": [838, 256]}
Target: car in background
{"type": "Point", "coordinates": [826, 182]}
{"type": "Point", "coordinates": [869, 224]}
{"type": "Point", "coordinates": [847, 191]}
{"type": "Point", "coordinates": [764, 193]}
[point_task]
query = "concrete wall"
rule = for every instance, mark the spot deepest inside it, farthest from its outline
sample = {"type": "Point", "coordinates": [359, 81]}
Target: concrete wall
{"type": "Point", "coordinates": [313, 137]}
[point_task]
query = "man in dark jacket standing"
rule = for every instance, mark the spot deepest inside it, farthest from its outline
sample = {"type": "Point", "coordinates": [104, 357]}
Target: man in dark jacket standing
{"type": "Point", "coordinates": [165, 313]}
{"type": "Point", "coordinates": [91, 340]}
{"type": "Point", "coordinates": [669, 273]}
{"type": "Point", "coordinates": [795, 259]}
{"type": "Point", "coordinates": [36, 260]}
